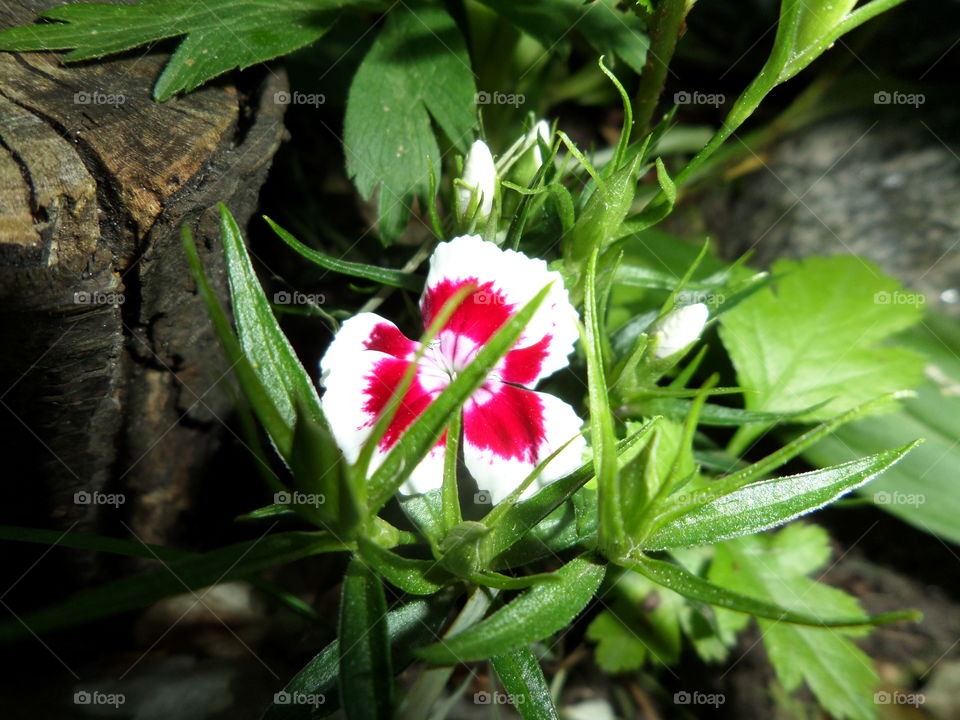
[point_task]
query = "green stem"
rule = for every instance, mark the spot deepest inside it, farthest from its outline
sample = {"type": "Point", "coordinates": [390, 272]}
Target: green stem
{"type": "Point", "coordinates": [665, 29]}
{"type": "Point", "coordinates": [431, 682]}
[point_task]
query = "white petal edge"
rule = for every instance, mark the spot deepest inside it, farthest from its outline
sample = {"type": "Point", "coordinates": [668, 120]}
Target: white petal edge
{"type": "Point", "coordinates": [500, 477]}
{"type": "Point", "coordinates": [519, 278]}
{"type": "Point", "coordinates": [344, 368]}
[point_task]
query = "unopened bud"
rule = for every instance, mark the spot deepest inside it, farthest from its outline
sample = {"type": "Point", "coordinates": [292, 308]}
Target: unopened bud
{"type": "Point", "coordinates": [479, 179]}
{"type": "Point", "coordinates": [680, 327]}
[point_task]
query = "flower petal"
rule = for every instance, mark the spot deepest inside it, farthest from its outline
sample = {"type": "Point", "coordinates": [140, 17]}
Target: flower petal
{"type": "Point", "coordinates": [506, 281]}
{"type": "Point", "coordinates": [508, 431]}
{"type": "Point", "coordinates": [360, 371]}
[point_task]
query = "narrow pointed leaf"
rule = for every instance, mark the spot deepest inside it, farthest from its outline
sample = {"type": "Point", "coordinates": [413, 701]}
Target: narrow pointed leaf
{"type": "Point", "coordinates": [384, 276]}
{"type": "Point", "coordinates": [523, 680]}
{"type": "Point", "coordinates": [263, 342]}
{"type": "Point", "coordinates": [768, 503]}
{"type": "Point", "coordinates": [695, 587]}
{"type": "Point", "coordinates": [366, 675]}
{"type": "Point", "coordinates": [179, 576]}
{"type": "Point", "coordinates": [534, 615]}
{"type": "Point", "coordinates": [522, 517]}
{"type": "Point", "coordinates": [411, 576]}
{"type": "Point", "coordinates": [409, 626]}
{"type": "Point", "coordinates": [256, 393]}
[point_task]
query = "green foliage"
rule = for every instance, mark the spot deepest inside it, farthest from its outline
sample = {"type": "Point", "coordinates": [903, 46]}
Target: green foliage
{"type": "Point", "coordinates": [775, 568]}
{"type": "Point", "coordinates": [534, 615]}
{"type": "Point", "coordinates": [523, 679]}
{"type": "Point", "coordinates": [608, 29]}
{"type": "Point", "coordinates": [815, 338]}
{"type": "Point", "coordinates": [922, 489]}
{"type": "Point", "coordinates": [762, 505]}
{"type": "Point", "coordinates": [221, 35]}
{"type": "Point", "coordinates": [365, 674]}
{"type": "Point", "coordinates": [388, 138]}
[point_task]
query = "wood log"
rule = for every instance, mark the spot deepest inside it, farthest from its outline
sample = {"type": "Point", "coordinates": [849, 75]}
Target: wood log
{"type": "Point", "coordinates": [111, 379]}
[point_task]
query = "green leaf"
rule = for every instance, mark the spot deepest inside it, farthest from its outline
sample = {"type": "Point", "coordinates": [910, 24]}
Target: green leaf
{"type": "Point", "coordinates": [221, 35]}
{"type": "Point", "coordinates": [411, 576]}
{"type": "Point", "coordinates": [533, 615]}
{"type": "Point", "coordinates": [384, 276]}
{"type": "Point", "coordinates": [695, 587]}
{"type": "Point", "coordinates": [774, 567]}
{"type": "Point", "coordinates": [177, 576]}
{"type": "Point", "coordinates": [523, 680]}
{"type": "Point", "coordinates": [409, 626]}
{"type": "Point", "coordinates": [388, 138]}
{"type": "Point", "coordinates": [366, 676]}
{"type": "Point", "coordinates": [608, 29]}
{"type": "Point", "coordinates": [260, 335]}
{"type": "Point", "coordinates": [815, 338]}
{"type": "Point", "coordinates": [426, 430]}
{"type": "Point", "coordinates": [714, 415]}
{"type": "Point", "coordinates": [611, 531]}
{"type": "Point", "coordinates": [768, 503]}
{"type": "Point", "coordinates": [922, 489]}
{"type": "Point", "coordinates": [259, 397]}
{"type": "Point", "coordinates": [522, 517]}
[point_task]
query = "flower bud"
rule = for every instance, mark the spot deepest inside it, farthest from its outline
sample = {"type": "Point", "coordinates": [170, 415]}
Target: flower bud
{"type": "Point", "coordinates": [680, 327]}
{"type": "Point", "coordinates": [480, 179]}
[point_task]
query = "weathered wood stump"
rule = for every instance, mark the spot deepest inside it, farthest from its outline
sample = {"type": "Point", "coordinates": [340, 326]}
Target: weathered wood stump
{"type": "Point", "coordinates": [110, 376]}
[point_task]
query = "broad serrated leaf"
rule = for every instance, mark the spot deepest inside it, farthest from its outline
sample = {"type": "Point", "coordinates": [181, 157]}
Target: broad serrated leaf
{"type": "Point", "coordinates": [533, 615]}
{"type": "Point", "coordinates": [774, 567]}
{"type": "Point", "coordinates": [763, 505]}
{"type": "Point", "coordinates": [815, 337]}
{"type": "Point", "coordinates": [610, 30]}
{"type": "Point", "coordinates": [365, 673]}
{"type": "Point", "coordinates": [388, 137]}
{"type": "Point", "coordinates": [922, 489]}
{"type": "Point", "coordinates": [221, 35]}
{"type": "Point", "coordinates": [523, 680]}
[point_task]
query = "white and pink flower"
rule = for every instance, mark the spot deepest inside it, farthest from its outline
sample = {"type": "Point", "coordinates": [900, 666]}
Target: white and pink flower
{"type": "Point", "coordinates": [508, 428]}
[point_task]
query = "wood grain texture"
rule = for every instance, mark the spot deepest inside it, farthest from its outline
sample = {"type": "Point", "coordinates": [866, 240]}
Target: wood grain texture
{"type": "Point", "coordinates": [110, 377]}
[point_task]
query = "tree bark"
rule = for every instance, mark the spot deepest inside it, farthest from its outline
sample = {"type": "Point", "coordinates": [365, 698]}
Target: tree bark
{"type": "Point", "coordinates": [111, 380]}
